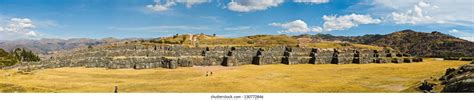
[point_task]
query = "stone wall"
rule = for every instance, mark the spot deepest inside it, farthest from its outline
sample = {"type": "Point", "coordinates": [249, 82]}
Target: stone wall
{"type": "Point", "coordinates": [459, 80]}
{"type": "Point", "coordinates": [173, 56]}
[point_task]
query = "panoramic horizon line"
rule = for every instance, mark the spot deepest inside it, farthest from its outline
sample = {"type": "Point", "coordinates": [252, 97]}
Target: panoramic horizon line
{"type": "Point", "coordinates": [169, 35]}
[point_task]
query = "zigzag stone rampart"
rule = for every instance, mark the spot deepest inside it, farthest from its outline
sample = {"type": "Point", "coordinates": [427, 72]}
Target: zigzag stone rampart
{"type": "Point", "coordinates": [174, 56]}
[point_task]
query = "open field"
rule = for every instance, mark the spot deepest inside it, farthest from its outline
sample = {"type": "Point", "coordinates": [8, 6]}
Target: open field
{"type": "Point", "coordinates": [249, 78]}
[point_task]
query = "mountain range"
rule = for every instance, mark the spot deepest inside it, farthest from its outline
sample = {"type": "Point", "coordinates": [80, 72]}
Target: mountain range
{"type": "Point", "coordinates": [434, 44]}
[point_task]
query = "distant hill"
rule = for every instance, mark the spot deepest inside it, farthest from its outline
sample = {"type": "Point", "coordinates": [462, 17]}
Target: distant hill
{"type": "Point", "coordinates": [434, 44]}
{"type": "Point", "coordinates": [43, 46]}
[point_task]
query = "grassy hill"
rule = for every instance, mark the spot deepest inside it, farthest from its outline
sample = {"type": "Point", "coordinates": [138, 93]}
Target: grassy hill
{"type": "Point", "coordinates": [43, 46]}
{"type": "Point", "coordinates": [256, 40]}
{"type": "Point", "coordinates": [434, 44]}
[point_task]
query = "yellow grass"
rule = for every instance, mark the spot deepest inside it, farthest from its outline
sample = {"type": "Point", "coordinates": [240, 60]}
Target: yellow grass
{"type": "Point", "coordinates": [340, 45]}
{"type": "Point", "coordinates": [248, 78]}
{"type": "Point", "coordinates": [368, 47]}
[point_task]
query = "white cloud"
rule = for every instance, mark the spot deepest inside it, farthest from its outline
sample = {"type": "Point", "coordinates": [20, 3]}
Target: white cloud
{"type": "Point", "coordinates": [311, 1]}
{"type": "Point", "coordinates": [347, 21]}
{"type": "Point", "coordinates": [317, 29]}
{"type": "Point", "coordinates": [252, 5]}
{"type": "Point", "coordinates": [237, 28]}
{"type": "Point", "coordinates": [468, 38]}
{"type": "Point", "coordinates": [21, 23]}
{"type": "Point", "coordinates": [164, 5]}
{"type": "Point", "coordinates": [454, 31]}
{"type": "Point", "coordinates": [161, 7]}
{"type": "Point", "coordinates": [17, 28]}
{"type": "Point", "coordinates": [190, 3]}
{"type": "Point", "coordinates": [446, 12]}
{"type": "Point", "coordinates": [462, 34]}
{"type": "Point", "coordinates": [297, 26]}
{"type": "Point", "coordinates": [331, 23]}
{"type": "Point", "coordinates": [415, 15]}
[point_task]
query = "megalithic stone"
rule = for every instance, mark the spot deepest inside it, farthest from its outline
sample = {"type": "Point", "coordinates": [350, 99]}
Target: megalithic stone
{"type": "Point", "coordinates": [257, 59]}
{"type": "Point", "coordinates": [388, 53]}
{"type": "Point", "coordinates": [399, 55]}
{"type": "Point", "coordinates": [376, 54]}
{"type": "Point", "coordinates": [313, 55]}
{"type": "Point", "coordinates": [396, 60]}
{"type": "Point", "coordinates": [286, 60]}
{"type": "Point", "coordinates": [227, 61]}
{"type": "Point", "coordinates": [287, 56]}
{"type": "Point", "coordinates": [169, 63]}
{"type": "Point", "coordinates": [335, 57]}
{"type": "Point", "coordinates": [313, 59]}
{"type": "Point", "coordinates": [375, 57]}
{"type": "Point", "coordinates": [203, 53]}
{"type": "Point", "coordinates": [407, 60]}
{"type": "Point", "coordinates": [230, 53]}
{"type": "Point", "coordinates": [356, 59]}
{"type": "Point", "coordinates": [172, 64]}
{"type": "Point", "coordinates": [417, 59]}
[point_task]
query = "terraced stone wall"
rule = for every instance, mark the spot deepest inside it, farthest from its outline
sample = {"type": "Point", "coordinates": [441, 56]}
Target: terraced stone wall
{"type": "Point", "coordinates": [146, 56]}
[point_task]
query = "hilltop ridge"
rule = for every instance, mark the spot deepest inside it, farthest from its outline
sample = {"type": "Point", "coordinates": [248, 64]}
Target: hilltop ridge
{"type": "Point", "coordinates": [434, 44]}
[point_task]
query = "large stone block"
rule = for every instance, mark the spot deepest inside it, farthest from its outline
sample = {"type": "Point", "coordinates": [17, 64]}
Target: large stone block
{"type": "Point", "coordinates": [397, 60]}
{"type": "Point", "coordinates": [229, 61]}
{"type": "Point", "coordinates": [417, 59]}
{"type": "Point", "coordinates": [382, 60]}
{"type": "Point", "coordinates": [257, 60]}
{"type": "Point", "coordinates": [170, 63]}
{"type": "Point", "coordinates": [407, 60]}
{"type": "Point", "coordinates": [185, 62]}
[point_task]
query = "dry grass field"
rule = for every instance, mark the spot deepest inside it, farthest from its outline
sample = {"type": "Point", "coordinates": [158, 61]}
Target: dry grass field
{"type": "Point", "coordinates": [248, 78]}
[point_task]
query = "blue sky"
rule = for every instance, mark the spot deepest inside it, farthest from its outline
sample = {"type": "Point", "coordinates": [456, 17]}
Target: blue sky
{"type": "Point", "coordinates": [34, 19]}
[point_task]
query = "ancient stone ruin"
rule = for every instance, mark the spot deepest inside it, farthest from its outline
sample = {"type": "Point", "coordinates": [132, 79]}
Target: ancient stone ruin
{"type": "Point", "coordinates": [174, 56]}
{"type": "Point", "coordinates": [459, 80]}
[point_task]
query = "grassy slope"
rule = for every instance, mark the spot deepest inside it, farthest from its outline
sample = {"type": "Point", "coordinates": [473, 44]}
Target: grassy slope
{"type": "Point", "coordinates": [248, 78]}
{"type": "Point", "coordinates": [256, 40]}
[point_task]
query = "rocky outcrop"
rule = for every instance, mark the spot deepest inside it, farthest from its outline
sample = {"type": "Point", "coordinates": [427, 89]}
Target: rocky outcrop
{"type": "Point", "coordinates": [174, 56]}
{"type": "Point", "coordinates": [459, 80]}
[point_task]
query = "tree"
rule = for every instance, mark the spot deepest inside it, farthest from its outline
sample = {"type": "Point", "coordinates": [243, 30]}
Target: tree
{"type": "Point", "coordinates": [7, 59]}
{"type": "Point", "coordinates": [25, 55]}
